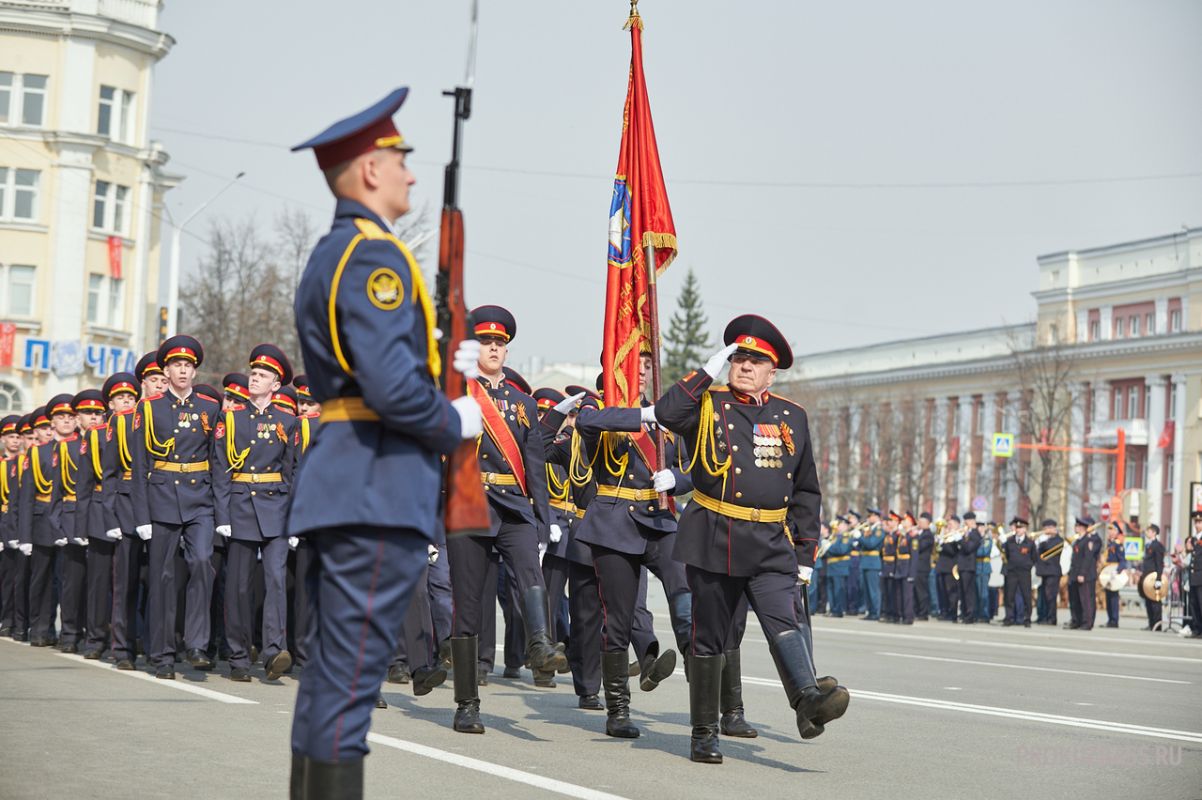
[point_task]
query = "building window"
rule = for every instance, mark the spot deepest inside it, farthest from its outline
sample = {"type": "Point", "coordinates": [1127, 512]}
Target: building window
{"type": "Point", "coordinates": [979, 408]}
{"type": "Point", "coordinates": [110, 208]}
{"type": "Point", "coordinates": [1171, 413]}
{"type": "Point", "coordinates": [23, 99]}
{"type": "Point", "coordinates": [16, 291]}
{"type": "Point", "coordinates": [10, 397]}
{"type": "Point", "coordinates": [1175, 321]}
{"type": "Point", "coordinates": [19, 193]}
{"type": "Point", "coordinates": [1116, 411]}
{"type": "Point", "coordinates": [33, 100]}
{"type": "Point", "coordinates": [1168, 473]}
{"type": "Point", "coordinates": [1120, 327]}
{"type": "Point", "coordinates": [1150, 324]}
{"type": "Point", "coordinates": [1135, 329]}
{"type": "Point", "coordinates": [1095, 330]}
{"type": "Point", "coordinates": [1133, 404]}
{"type": "Point", "coordinates": [114, 116]}
{"type": "Point", "coordinates": [104, 301]}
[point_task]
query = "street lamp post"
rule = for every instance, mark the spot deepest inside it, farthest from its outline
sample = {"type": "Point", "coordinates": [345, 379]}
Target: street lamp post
{"type": "Point", "coordinates": [173, 276]}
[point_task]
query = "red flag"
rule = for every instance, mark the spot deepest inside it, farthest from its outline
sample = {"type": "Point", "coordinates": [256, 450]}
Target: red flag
{"type": "Point", "coordinates": [1166, 436]}
{"type": "Point", "coordinates": [638, 216]}
{"type": "Point", "coordinates": [115, 248]}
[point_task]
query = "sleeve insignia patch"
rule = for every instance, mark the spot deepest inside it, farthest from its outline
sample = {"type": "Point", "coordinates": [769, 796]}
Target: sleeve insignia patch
{"type": "Point", "coordinates": [219, 431]}
{"type": "Point", "coordinates": [384, 289]}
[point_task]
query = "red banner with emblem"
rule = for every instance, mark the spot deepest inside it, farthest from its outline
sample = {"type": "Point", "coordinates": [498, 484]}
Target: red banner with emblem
{"type": "Point", "coordinates": [639, 215]}
{"type": "Point", "coordinates": [115, 251]}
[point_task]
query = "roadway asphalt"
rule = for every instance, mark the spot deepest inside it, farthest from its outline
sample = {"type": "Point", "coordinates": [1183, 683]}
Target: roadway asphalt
{"type": "Point", "coordinates": [937, 711]}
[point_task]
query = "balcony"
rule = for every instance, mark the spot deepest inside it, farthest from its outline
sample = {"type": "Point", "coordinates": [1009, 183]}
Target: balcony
{"type": "Point", "coordinates": [143, 13]}
{"type": "Point", "coordinates": [1105, 433]}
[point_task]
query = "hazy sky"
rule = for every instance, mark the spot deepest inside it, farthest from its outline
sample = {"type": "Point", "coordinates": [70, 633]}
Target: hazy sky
{"type": "Point", "coordinates": [855, 171]}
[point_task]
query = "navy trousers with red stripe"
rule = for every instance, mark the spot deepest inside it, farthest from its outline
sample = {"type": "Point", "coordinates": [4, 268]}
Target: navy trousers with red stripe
{"type": "Point", "coordinates": [361, 585]}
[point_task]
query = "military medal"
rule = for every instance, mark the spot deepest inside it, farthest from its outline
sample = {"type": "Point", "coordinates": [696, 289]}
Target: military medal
{"type": "Point", "coordinates": [523, 419]}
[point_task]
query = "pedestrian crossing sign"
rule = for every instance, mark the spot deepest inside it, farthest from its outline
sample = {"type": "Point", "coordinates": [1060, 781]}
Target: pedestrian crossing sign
{"type": "Point", "coordinates": [1003, 445]}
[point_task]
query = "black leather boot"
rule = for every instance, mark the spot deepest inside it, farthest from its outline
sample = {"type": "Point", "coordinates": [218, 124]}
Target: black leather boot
{"type": "Point", "coordinates": [733, 721]}
{"type": "Point", "coordinates": [541, 654]}
{"type": "Point", "coordinates": [656, 668]}
{"type": "Point", "coordinates": [705, 679]}
{"type": "Point", "coordinates": [426, 679]}
{"type": "Point", "coordinates": [296, 783]}
{"type": "Point", "coordinates": [467, 693]}
{"type": "Point", "coordinates": [813, 707]}
{"type": "Point", "coordinates": [617, 696]}
{"type": "Point", "coordinates": [342, 780]}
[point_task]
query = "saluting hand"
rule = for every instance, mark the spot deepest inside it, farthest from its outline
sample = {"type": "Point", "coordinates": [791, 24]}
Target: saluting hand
{"type": "Point", "coordinates": [569, 403]}
{"type": "Point", "coordinates": [718, 360]}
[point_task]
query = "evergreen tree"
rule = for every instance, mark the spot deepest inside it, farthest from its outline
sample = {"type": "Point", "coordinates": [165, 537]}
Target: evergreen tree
{"type": "Point", "coordinates": [687, 340]}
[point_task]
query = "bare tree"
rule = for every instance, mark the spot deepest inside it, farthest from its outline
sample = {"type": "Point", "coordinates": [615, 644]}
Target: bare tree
{"type": "Point", "coordinates": [1045, 417]}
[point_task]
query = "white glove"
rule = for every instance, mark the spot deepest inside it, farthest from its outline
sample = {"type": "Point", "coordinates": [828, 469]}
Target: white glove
{"type": "Point", "coordinates": [81, 542]}
{"type": "Point", "coordinates": [114, 534]}
{"type": "Point", "coordinates": [663, 481]}
{"type": "Point", "coordinates": [470, 421]}
{"type": "Point", "coordinates": [542, 551]}
{"type": "Point", "coordinates": [467, 359]}
{"type": "Point", "coordinates": [718, 360]}
{"type": "Point", "coordinates": [804, 574]}
{"type": "Point", "coordinates": [431, 554]}
{"type": "Point", "coordinates": [225, 531]}
{"type": "Point", "coordinates": [293, 541]}
{"type": "Point", "coordinates": [1, 547]}
{"type": "Point", "coordinates": [26, 549]}
{"type": "Point", "coordinates": [13, 543]}
{"type": "Point", "coordinates": [647, 414]}
{"type": "Point", "coordinates": [60, 542]}
{"type": "Point", "coordinates": [557, 534]}
{"type": "Point", "coordinates": [144, 532]}
{"type": "Point", "coordinates": [569, 403]}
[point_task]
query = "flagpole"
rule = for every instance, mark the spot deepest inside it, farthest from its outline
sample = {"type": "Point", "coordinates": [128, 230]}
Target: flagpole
{"type": "Point", "coordinates": [653, 318]}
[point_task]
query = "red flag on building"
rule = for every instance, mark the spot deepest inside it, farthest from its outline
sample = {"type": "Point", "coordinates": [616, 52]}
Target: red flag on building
{"type": "Point", "coordinates": [638, 216]}
{"type": "Point", "coordinates": [1166, 436]}
{"type": "Point", "coordinates": [115, 251]}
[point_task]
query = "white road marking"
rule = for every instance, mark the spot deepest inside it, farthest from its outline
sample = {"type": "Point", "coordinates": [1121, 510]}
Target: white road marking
{"type": "Point", "coordinates": [182, 686]}
{"type": "Point", "coordinates": [1013, 645]}
{"type": "Point", "coordinates": [1036, 669]}
{"type": "Point", "coordinates": [1194, 737]}
{"type": "Point", "coordinates": [495, 770]}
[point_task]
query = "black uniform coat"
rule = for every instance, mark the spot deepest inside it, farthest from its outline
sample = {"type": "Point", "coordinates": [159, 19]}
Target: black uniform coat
{"type": "Point", "coordinates": [1085, 557]}
{"type": "Point", "coordinates": [1050, 566]}
{"type": "Point", "coordinates": [520, 412]}
{"type": "Point", "coordinates": [1019, 556]}
{"type": "Point", "coordinates": [122, 493]}
{"type": "Point", "coordinates": [720, 544]}
{"type": "Point", "coordinates": [268, 442]}
{"type": "Point", "coordinates": [89, 486]}
{"type": "Point", "coordinates": [966, 559]}
{"type": "Point", "coordinates": [34, 522]}
{"type": "Point", "coordinates": [174, 498]}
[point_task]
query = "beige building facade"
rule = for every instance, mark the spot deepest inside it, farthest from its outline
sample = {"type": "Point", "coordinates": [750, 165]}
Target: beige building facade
{"type": "Point", "coordinates": [81, 193]}
{"type": "Point", "coordinates": [1116, 344]}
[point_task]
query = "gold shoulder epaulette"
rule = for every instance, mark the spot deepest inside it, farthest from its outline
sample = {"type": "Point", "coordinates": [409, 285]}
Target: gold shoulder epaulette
{"type": "Point", "coordinates": [369, 229]}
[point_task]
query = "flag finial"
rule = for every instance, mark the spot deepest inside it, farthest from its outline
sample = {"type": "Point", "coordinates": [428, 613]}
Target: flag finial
{"type": "Point", "coordinates": [634, 20]}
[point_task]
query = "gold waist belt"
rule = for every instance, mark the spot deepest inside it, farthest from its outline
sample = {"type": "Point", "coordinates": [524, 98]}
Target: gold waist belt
{"type": "Point", "coordinates": [736, 511]}
{"type": "Point", "coordinates": [870, 552]}
{"type": "Point", "coordinates": [191, 466]}
{"type": "Point", "coordinates": [347, 409]}
{"type": "Point", "coordinates": [258, 477]}
{"type": "Point", "coordinates": [564, 505]}
{"type": "Point", "coordinates": [498, 479]}
{"type": "Point", "coordinates": [42, 498]}
{"type": "Point", "coordinates": [638, 495]}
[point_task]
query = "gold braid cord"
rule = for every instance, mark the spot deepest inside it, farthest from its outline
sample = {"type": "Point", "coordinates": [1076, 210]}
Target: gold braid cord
{"type": "Point", "coordinates": [236, 459]}
{"type": "Point", "coordinates": [40, 484]}
{"type": "Point", "coordinates": [153, 445]}
{"type": "Point", "coordinates": [579, 473]}
{"type": "Point", "coordinates": [65, 465]}
{"type": "Point", "coordinates": [557, 489]}
{"type": "Point", "coordinates": [127, 459]}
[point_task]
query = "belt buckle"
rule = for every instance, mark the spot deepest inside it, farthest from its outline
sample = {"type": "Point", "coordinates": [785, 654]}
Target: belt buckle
{"type": "Point", "coordinates": [755, 515]}
{"type": "Point", "coordinates": [490, 478]}
{"type": "Point", "coordinates": [254, 477]}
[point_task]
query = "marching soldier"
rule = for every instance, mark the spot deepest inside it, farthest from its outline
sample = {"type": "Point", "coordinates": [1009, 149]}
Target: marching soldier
{"type": "Point", "coordinates": [1153, 564]}
{"type": "Point", "coordinates": [89, 522]}
{"type": "Point", "coordinates": [121, 497]}
{"type": "Point", "coordinates": [173, 461]}
{"type": "Point", "coordinates": [966, 565]}
{"type": "Point", "coordinates": [627, 529]}
{"type": "Point", "coordinates": [302, 557]}
{"type": "Point", "coordinates": [13, 603]}
{"type": "Point", "coordinates": [150, 375]}
{"type": "Point", "coordinates": [924, 544]}
{"type": "Point", "coordinates": [73, 555]}
{"type": "Point", "coordinates": [1115, 555]}
{"type": "Point", "coordinates": [1047, 568]}
{"type": "Point", "coordinates": [255, 451]}
{"type": "Point", "coordinates": [752, 527]}
{"type": "Point", "coordinates": [37, 529]}
{"type": "Point", "coordinates": [367, 496]}
{"type": "Point", "coordinates": [513, 467]}
{"type": "Point", "coordinates": [1082, 574]}
{"type": "Point", "coordinates": [870, 565]}
{"type": "Point", "coordinates": [1018, 553]}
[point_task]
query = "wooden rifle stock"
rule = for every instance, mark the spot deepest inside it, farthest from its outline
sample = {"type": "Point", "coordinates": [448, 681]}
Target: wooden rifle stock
{"type": "Point", "coordinates": [466, 507]}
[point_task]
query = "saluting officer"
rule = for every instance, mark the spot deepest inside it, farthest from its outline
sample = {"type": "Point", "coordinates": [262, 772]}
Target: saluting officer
{"type": "Point", "coordinates": [1047, 568]}
{"type": "Point", "coordinates": [752, 527]}
{"type": "Point", "coordinates": [89, 522]}
{"type": "Point", "coordinates": [368, 493]}
{"type": "Point", "coordinates": [255, 451]}
{"type": "Point", "coordinates": [1082, 575]}
{"type": "Point", "coordinates": [1018, 553]}
{"type": "Point", "coordinates": [513, 467]}
{"type": "Point", "coordinates": [173, 455]}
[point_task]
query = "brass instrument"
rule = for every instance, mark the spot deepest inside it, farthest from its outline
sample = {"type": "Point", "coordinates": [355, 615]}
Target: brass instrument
{"type": "Point", "coordinates": [824, 546]}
